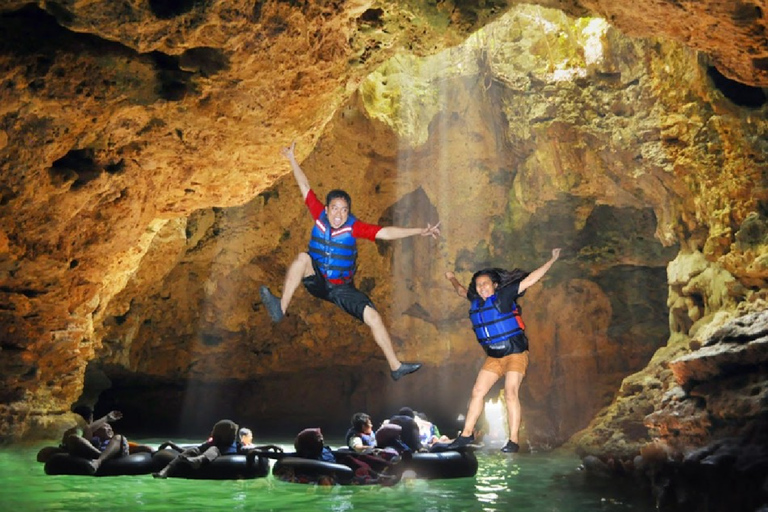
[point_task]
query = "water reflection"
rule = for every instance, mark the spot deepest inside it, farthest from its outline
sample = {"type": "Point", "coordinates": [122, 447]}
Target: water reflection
{"type": "Point", "coordinates": [519, 482]}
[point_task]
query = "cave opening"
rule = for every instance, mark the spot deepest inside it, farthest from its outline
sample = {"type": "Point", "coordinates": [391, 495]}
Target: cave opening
{"type": "Point", "coordinates": [740, 94]}
{"type": "Point", "coordinates": [168, 9]}
{"type": "Point", "coordinates": [78, 165]}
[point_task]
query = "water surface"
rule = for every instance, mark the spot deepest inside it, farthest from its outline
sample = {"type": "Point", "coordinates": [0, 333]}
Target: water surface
{"type": "Point", "coordinates": [520, 482]}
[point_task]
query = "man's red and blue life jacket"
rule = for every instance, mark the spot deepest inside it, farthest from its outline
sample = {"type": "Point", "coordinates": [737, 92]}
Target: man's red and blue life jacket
{"type": "Point", "coordinates": [334, 251]}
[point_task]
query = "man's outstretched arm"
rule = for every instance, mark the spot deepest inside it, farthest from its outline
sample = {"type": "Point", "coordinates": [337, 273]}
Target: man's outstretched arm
{"type": "Point", "coordinates": [301, 178]}
{"type": "Point", "coordinates": [395, 232]}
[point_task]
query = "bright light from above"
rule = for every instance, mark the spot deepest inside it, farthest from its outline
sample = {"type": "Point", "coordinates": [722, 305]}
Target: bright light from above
{"type": "Point", "coordinates": [496, 417]}
{"type": "Point", "coordinates": [593, 45]}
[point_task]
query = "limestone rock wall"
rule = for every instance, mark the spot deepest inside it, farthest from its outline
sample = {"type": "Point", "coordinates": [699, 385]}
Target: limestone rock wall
{"type": "Point", "coordinates": [521, 139]}
{"type": "Point", "coordinates": [144, 198]}
{"type": "Point", "coordinates": [118, 118]}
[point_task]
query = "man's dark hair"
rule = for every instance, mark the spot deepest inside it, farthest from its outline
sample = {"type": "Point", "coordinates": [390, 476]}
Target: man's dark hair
{"type": "Point", "coordinates": [359, 419]}
{"type": "Point", "coordinates": [338, 193]}
{"type": "Point", "coordinates": [500, 276]}
{"type": "Point", "coordinates": [406, 411]}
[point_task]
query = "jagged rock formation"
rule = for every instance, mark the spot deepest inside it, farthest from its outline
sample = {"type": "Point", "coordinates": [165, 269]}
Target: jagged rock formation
{"type": "Point", "coordinates": [143, 200]}
{"type": "Point", "coordinates": [121, 120]}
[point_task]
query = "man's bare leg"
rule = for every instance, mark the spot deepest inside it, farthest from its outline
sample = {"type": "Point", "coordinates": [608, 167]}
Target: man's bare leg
{"type": "Point", "coordinates": [298, 270]}
{"type": "Point", "coordinates": [112, 450]}
{"type": "Point", "coordinates": [372, 319]}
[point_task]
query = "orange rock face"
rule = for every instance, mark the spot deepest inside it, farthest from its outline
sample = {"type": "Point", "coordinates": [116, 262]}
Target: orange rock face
{"type": "Point", "coordinates": [143, 200]}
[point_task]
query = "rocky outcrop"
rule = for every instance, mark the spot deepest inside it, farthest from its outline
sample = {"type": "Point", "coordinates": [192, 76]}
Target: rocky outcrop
{"type": "Point", "coordinates": [119, 119]}
{"type": "Point", "coordinates": [692, 423]}
{"type": "Point", "coordinates": [144, 200]}
{"type": "Point", "coordinates": [723, 30]}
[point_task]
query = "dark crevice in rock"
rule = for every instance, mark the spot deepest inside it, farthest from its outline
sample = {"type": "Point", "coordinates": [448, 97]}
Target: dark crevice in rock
{"type": "Point", "coordinates": [35, 35]}
{"type": "Point", "coordinates": [256, 13]}
{"type": "Point", "coordinates": [77, 166]}
{"type": "Point", "coordinates": [115, 168]}
{"type": "Point", "coordinates": [30, 31]}
{"type": "Point", "coordinates": [151, 125]}
{"type": "Point", "coordinates": [760, 63]}
{"type": "Point", "coordinates": [61, 13]}
{"type": "Point", "coordinates": [173, 83]}
{"type": "Point", "coordinates": [740, 94]}
{"type": "Point", "coordinates": [204, 60]}
{"type": "Point", "coordinates": [169, 9]}
{"type": "Point", "coordinates": [29, 293]}
{"type": "Point", "coordinates": [746, 13]}
{"type": "Point", "coordinates": [612, 234]}
{"type": "Point", "coordinates": [269, 194]}
{"type": "Point", "coordinates": [638, 298]}
{"type": "Point", "coordinates": [416, 310]}
{"type": "Point", "coordinates": [372, 16]}
{"type": "Point", "coordinates": [367, 284]}
{"type": "Point", "coordinates": [211, 340]}
{"type": "Point", "coordinates": [10, 346]}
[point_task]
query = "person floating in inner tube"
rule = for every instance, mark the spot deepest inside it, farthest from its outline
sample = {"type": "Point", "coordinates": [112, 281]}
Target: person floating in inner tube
{"type": "Point", "coordinates": [410, 429]}
{"type": "Point", "coordinates": [225, 439]}
{"type": "Point", "coordinates": [310, 444]}
{"type": "Point", "coordinates": [328, 267]}
{"type": "Point", "coordinates": [429, 434]}
{"type": "Point", "coordinates": [360, 437]}
{"type": "Point", "coordinates": [96, 440]}
{"type": "Point", "coordinates": [246, 438]}
{"type": "Point", "coordinates": [499, 329]}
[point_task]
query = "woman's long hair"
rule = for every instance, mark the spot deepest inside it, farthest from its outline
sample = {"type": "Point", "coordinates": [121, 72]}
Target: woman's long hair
{"type": "Point", "coordinates": [499, 276]}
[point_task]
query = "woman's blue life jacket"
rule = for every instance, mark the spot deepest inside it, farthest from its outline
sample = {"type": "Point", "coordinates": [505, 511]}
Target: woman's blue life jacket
{"type": "Point", "coordinates": [500, 334]}
{"type": "Point", "coordinates": [334, 251]}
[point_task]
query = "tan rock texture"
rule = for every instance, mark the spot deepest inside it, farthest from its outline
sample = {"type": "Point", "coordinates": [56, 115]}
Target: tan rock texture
{"type": "Point", "coordinates": [121, 117]}
{"type": "Point", "coordinates": [144, 200]}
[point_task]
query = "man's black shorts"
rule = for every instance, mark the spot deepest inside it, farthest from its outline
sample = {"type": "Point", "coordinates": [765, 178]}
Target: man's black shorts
{"type": "Point", "coordinates": [346, 296]}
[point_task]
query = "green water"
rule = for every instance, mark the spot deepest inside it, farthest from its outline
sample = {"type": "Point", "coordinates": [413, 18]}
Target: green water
{"type": "Point", "coordinates": [520, 483]}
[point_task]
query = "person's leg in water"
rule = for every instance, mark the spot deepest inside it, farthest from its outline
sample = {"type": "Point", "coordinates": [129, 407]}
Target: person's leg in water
{"type": "Point", "coordinates": [483, 384]}
{"type": "Point", "coordinates": [373, 320]}
{"type": "Point", "coordinates": [78, 446]}
{"type": "Point", "coordinates": [114, 449]}
{"type": "Point", "coordinates": [191, 457]}
{"type": "Point", "coordinates": [514, 411]}
{"type": "Point", "coordinates": [298, 270]}
{"type": "Point", "coordinates": [210, 454]}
